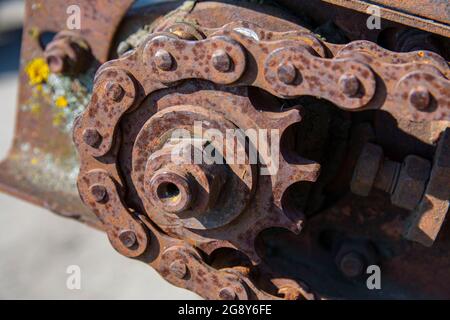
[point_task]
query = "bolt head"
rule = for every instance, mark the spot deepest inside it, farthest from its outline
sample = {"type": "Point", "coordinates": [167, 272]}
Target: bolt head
{"type": "Point", "coordinates": [227, 294]}
{"type": "Point", "coordinates": [411, 182]}
{"type": "Point", "coordinates": [92, 137]}
{"type": "Point", "coordinates": [178, 269]}
{"type": "Point", "coordinates": [349, 85]}
{"type": "Point", "coordinates": [163, 60]}
{"type": "Point", "coordinates": [287, 73]}
{"type": "Point", "coordinates": [57, 62]}
{"type": "Point", "coordinates": [114, 91]}
{"type": "Point", "coordinates": [366, 169]}
{"type": "Point", "coordinates": [420, 98]}
{"type": "Point", "coordinates": [352, 265]}
{"type": "Point", "coordinates": [128, 238]}
{"type": "Point", "coordinates": [221, 61]}
{"type": "Point", "coordinates": [99, 193]}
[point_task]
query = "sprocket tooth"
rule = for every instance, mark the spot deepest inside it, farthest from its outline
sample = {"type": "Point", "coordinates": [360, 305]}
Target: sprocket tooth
{"type": "Point", "coordinates": [247, 247]}
{"type": "Point", "coordinates": [283, 120]}
{"type": "Point", "coordinates": [290, 173]}
{"type": "Point", "coordinates": [289, 224]}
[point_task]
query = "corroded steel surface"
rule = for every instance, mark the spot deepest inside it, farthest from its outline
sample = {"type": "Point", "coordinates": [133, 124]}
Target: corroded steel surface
{"type": "Point", "coordinates": [342, 109]}
{"type": "Point", "coordinates": [430, 15]}
{"type": "Point", "coordinates": [42, 163]}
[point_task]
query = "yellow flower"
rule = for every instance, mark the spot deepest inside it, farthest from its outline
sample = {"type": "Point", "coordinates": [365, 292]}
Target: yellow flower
{"type": "Point", "coordinates": [61, 102]}
{"type": "Point", "coordinates": [37, 71]}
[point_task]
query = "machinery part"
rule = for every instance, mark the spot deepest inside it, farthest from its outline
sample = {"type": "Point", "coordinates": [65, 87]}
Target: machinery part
{"type": "Point", "coordinates": [427, 219]}
{"type": "Point", "coordinates": [405, 182]}
{"type": "Point", "coordinates": [432, 15]}
{"type": "Point", "coordinates": [224, 229]}
{"type": "Point", "coordinates": [68, 53]}
{"type": "Point", "coordinates": [353, 258]}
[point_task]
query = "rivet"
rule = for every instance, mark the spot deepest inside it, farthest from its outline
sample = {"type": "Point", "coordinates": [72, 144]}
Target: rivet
{"type": "Point", "coordinates": [349, 85]}
{"type": "Point", "coordinates": [98, 192]}
{"type": "Point", "coordinates": [287, 73]}
{"type": "Point", "coordinates": [128, 238]}
{"type": "Point", "coordinates": [221, 61]}
{"type": "Point", "coordinates": [163, 60]}
{"type": "Point", "coordinates": [114, 91]}
{"type": "Point", "coordinates": [92, 137]}
{"type": "Point", "coordinates": [420, 98]}
{"type": "Point", "coordinates": [227, 294]}
{"type": "Point", "coordinates": [178, 269]}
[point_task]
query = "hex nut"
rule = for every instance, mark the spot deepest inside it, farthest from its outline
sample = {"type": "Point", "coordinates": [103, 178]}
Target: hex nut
{"type": "Point", "coordinates": [366, 169]}
{"type": "Point", "coordinates": [411, 183]}
{"type": "Point", "coordinates": [426, 221]}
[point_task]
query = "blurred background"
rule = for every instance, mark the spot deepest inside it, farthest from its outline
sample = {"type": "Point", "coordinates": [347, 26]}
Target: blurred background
{"type": "Point", "coordinates": [36, 246]}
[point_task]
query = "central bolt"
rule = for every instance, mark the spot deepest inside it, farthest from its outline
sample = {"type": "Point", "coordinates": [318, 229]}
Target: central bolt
{"type": "Point", "coordinates": [163, 60]}
{"type": "Point", "coordinates": [221, 61]}
{"type": "Point", "coordinates": [420, 98]}
{"type": "Point", "coordinates": [171, 191]}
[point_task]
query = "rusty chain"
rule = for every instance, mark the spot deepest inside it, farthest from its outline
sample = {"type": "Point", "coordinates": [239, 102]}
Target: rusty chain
{"type": "Point", "coordinates": [357, 76]}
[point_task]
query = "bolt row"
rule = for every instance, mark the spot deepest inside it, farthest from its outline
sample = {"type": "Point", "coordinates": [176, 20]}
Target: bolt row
{"type": "Point", "coordinates": [100, 195]}
{"type": "Point", "coordinates": [221, 61]}
{"type": "Point", "coordinates": [288, 74]}
{"type": "Point", "coordinates": [180, 270]}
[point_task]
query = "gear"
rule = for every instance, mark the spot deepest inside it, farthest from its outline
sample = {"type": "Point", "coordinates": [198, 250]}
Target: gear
{"type": "Point", "coordinates": [212, 203]}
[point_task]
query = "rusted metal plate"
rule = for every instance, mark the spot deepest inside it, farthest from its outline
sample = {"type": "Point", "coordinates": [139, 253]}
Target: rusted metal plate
{"type": "Point", "coordinates": [429, 15]}
{"type": "Point", "coordinates": [437, 10]}
{"type": "Point", "coordinates": [42, 164]}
